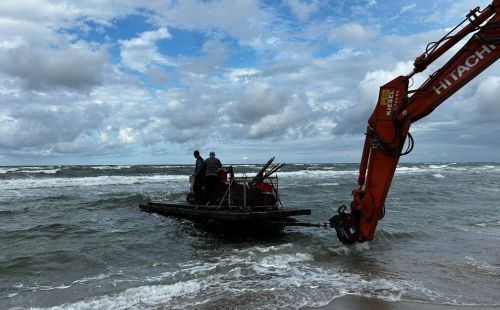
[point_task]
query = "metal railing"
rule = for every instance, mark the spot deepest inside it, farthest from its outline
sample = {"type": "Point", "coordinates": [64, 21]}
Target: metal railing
{"type": "Point", "coordinates": [244, 180]}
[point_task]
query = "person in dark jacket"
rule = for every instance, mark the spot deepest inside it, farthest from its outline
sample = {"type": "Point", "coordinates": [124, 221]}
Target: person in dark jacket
{"type": "Point", "coordinates": [199, 173]}
{"type": "Point", "coordinates": [212, 183]}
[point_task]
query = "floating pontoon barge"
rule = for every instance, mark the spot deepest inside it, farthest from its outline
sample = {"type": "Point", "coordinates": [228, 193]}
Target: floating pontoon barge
{"type": "Point", "coordinates": [245, 206]}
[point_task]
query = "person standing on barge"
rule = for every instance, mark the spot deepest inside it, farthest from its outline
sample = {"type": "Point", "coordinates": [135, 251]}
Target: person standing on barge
{"type": "Point", "coordinates": [199, 173]}
{"type": "Point", "coordinates": [212, 183]}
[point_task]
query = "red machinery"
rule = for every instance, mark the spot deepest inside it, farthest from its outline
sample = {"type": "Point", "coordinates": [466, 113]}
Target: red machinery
{"type": "Point", "coordinates": [398, 107]}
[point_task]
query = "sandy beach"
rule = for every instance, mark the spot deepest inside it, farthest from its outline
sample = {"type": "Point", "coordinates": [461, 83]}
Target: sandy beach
{"type": "Point", "coordinates": [362, 303]}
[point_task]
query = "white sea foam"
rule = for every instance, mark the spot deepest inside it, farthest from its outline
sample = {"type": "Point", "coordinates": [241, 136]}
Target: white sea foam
{"type": "Point", "coordinates": [260, 271]}
{"type": "Point", "coordinates": [437, 166]}
{"type": "Point", "coordinates": [111, 167]}
{"type": "Point", "coordinates": [284, 260]}
{"type": "Point", "coordinates": [488, 224]}
{"type": "Point", "coordinates": [89, 181]}
{"type": "Point", "coordinates": [413, 169]}
{"type": "Point", "coordinates": [448, 168]}
{"type": "Point", "coordinates": [488, 168]}
{"type": "Point", "coordinates": [267, 249]}
{"type": "Point", "coordinates": [328, 184]}
{"type": "Point", "coordinates": [143, 297]}
{"type": "Point", "coordinates": [482, 266]}
{"type": "Point", "coordinates": [247, 165]}
{"type": "Point", "coordinates": [316, 173]}
{"type": "Point", "coordinates": [4, 170]}
{"type": "Point", "coordinates": [46, 170]}
{"type": "Point", "coordinates": [22, 287]}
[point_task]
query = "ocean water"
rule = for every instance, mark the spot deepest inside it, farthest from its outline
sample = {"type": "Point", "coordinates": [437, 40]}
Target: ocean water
{"type": "Point", "coordinates": [72, 237]}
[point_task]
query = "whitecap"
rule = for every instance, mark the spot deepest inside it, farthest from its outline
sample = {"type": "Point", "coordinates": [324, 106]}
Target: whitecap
{"type": "Point", "coordinates": [4, 170]}
{"type": "Point", "coordinates": [284, 260]}
{"type": "Point", "coordinates": [110, 167]}
{"type": "Point", "coordinates": [45, 171]}
{"type": "Point", "coordinates": [438, 166]}
{"type": "Point", "coordinates": [90, 181]}
{"type": "Point", "coordinates": [316, 173]}
{"type": "Point", "coordinates": [267, 249]}
{"type": "Point", "coordinates": [413, 169]}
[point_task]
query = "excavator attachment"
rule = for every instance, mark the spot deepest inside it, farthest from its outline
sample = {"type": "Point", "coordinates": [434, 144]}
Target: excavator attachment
{"type": "Point", "coordinates": [343, 223]}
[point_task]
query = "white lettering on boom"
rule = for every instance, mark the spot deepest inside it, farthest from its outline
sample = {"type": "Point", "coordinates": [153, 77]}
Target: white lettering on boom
{"type": "Point", "coordinates": [459, 71]}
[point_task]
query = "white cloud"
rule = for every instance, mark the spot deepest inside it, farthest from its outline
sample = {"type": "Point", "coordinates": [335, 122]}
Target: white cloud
{"type": "Point", "coordinates": [242, 74]}
{"type": "Point", "coordinates": [258, 101]}
{"type": "Point", "coordinates": [41, 127]}
{"type": "Point", "coordinates": [303, 9]}
{"type": "Point", "coordinates": [291, 121]}
{"type": "Point", "coordinates": [243, 20]}
{"type": "Point", "coordinates": [126, 135]}
{"type": "Point", "coordinates": [140, 53]}
{"type": "Point", "coordinates": [147, 39]}
{"type": "Point", "coordinates": [215, 53]}
{"type": "Point", "coordinates": [408, 7]}
{"type": "Point", "coordinates": [39, 11]}
{"type": "Point", "coordinates": [78, 66]}
{"type": "Point", "coordinates": [455, 10]}
{"type": "Point", "coordinates": [352, 34]}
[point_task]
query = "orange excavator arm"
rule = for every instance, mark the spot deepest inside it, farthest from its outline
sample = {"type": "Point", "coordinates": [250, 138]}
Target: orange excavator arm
{"type": "Point", "coordinates": [398, 107]}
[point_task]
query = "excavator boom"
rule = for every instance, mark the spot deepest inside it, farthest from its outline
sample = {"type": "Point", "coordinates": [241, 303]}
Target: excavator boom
{"type": "Point", "coordinates": [398, 107]}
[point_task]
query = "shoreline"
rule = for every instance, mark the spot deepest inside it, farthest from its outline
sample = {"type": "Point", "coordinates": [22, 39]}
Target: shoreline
{"type": "Point", "coordinates": [371, 303]}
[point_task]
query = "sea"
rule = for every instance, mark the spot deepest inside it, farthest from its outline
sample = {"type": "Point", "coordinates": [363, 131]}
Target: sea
{"type": "Point", "coordinates": [73, 237]}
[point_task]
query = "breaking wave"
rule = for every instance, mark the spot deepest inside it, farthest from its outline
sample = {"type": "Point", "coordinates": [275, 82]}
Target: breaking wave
{"type": "Point", "coordinates": [89, 181]}
{"type": "Point", "coordinates": [259, 270]}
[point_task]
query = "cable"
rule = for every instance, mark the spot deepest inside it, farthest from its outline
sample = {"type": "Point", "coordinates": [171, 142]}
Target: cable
{"type": "Point", "coordinates": [411, 144]}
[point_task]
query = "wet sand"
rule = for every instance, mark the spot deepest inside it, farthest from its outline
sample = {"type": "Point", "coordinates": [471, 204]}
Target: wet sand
{"type": "Point", "coordinates": [362, 303]}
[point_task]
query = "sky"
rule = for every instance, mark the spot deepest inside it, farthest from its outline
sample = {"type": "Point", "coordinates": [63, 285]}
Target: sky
{"type": "Point", "coordinates": [147, 82]}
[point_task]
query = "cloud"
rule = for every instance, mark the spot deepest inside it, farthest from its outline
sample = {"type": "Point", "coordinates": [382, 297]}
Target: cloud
{"type": "Point", "coordinates": [486, 98]}
{"type": "Point", "coordinates": [157, 76]}
{"type": "Point", "coordinates": [78, 66]}
{"type": "Point", "coordinates": [258, 101]}
{"type": "Point", "coordinates": [408, 7]}
{"type": "Point", "coordinates": [40, 127]}
{"type": "Point", "coordinates": [141, 53]}
{"type": "Point", "coordinates": [292, 122]}
{"type": "Point", "coordinates": [352, 34]}
{"type": "Point", "coordinates": [243, 20]}
{"type": "Point", "coordinates": [215, 53]}
{"type": "Point", "coordinates": [39, 11]}
{"type": "Point", "coordinates": [41, 56]}
{"type": "Point", "coordinates": [356, 118]}
{"type": "Point", "coordinates": [302, 9]}
{"type": "Point", "coordinates": [454, 10]}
